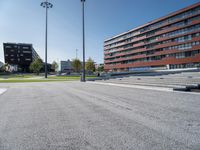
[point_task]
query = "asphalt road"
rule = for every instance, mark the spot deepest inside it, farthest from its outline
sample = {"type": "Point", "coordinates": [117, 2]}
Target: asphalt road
{"type": "Point", "coordinates": [73, 116]}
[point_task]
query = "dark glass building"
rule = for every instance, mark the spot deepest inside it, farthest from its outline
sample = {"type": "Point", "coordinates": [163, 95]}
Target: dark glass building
{"type": "Point", "coordinates": [19, 55]}
{"type": "Point", "coordinates": [170, 42]}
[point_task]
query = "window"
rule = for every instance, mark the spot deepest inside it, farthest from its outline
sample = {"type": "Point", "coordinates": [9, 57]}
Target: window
{"type": "Point", "coordinates": [26, 47]}
{"type": "Point", "coordinates": [180, 55]}
{"type": "Point", "coordinates": [28, 52]}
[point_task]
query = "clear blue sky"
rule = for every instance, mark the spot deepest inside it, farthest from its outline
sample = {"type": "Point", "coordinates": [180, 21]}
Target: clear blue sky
{"type": "Point", "coordinates": [22, 21]}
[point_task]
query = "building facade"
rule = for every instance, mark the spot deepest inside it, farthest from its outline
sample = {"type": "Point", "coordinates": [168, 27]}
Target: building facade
{"type": "Point", "coordinates": [65, 66]}
{"type": "Point", "coordinates": [170, 42]}
{"type": "Point", "coordinates": [19, 55]}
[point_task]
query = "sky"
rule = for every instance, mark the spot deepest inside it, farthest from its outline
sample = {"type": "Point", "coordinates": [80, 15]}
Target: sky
{"type": "Point", "coordinates": [23, 21]}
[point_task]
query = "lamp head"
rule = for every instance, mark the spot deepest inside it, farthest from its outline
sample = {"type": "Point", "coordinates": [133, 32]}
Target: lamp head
{"type": "Point", "coordinates": [46, 4]}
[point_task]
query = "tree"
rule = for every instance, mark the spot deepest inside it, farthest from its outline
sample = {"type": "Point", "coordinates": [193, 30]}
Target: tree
{"type": "Point", "coordinates": [100, 68]}
{"type": "Point", "coordinates": [90, 65]}
{"type": "Point", "coordinates": [36, 66]}
{"type": "Point", "coordinates": [76, 64]}
{"type": "Point", "coordinates": [5, 67]}
{"type": "Point", "coordinates": [54, 66]}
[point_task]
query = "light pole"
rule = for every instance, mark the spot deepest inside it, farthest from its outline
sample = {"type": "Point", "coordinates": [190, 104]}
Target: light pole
{"type": "Point", "coordinates": [76, 53]}
{"type": "Point", "coordinates": [46, 5]}
{"type": "Point", "coordinates": [83, 24]}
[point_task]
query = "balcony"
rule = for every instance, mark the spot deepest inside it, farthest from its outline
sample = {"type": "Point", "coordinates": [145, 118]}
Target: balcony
{"type": "Point", "coordinates": [164, 61]}
{"type": "Point", "coordinates": [164, 25]}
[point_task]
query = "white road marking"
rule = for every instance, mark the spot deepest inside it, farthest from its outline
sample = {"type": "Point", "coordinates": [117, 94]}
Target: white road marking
{"type": "Point", "coordinates": [2, 91]}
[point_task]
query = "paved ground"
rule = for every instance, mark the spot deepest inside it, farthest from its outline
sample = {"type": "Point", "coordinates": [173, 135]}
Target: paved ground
{"type": "Point", "coordinates": [73, 115]}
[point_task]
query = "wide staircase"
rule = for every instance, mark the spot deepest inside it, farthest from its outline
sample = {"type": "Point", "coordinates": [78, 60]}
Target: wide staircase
{"type": "Point", "coordinates": [186, 81]}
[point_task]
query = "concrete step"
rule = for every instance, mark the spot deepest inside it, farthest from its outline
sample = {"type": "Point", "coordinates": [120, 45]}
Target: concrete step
{"type": "Point", "coordinates": [156, 82]}
{"type": "Point", "coordinates": [148, 84]}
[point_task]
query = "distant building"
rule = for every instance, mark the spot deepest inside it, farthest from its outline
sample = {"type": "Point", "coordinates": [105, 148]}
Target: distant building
{"type": "Point", "coordinates": [65, 66]}
{"type": "Point", "coordinates": [1, 64]}
{"type": "Point", "coordinates": [170, 42]}
{"type": "Point", "coordinates": [19, 55]}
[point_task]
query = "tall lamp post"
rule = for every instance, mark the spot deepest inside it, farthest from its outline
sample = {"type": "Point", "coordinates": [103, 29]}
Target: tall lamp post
{"type": "Point", "coordinates": [46, 5]}
{"type": "Point", "coordinates": [76, 53]}
{"type": "Point", "coordinates": [83, 24]}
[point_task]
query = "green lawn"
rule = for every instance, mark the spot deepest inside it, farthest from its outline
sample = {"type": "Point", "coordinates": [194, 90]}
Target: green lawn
{"type": "Point", "coordinates": [64, 77]}
{"type": "Point", "coordinates": [14, 76]}
{"type": "Point", "coordinates": [33, 78]}
{"type": "Point", "coordinates": [69, 77]}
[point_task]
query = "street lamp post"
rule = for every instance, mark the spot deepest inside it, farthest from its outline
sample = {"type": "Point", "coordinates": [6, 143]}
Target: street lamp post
{"type": "Point", "coordinates": [46, 5]}
{"type": "Point", "coordinates": [83, 24]}
{"type": "Point", "coordinates": [76, 53]}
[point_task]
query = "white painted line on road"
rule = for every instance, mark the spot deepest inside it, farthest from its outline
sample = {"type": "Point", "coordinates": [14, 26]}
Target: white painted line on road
{"type": "Point", "coordinates": [135, 86]}
{"type": "Point", "coordinates": [2, 91]}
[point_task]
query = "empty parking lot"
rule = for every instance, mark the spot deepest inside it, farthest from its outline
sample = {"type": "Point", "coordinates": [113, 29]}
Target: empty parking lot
{"type": "Point", "coordinates": [74, 115]}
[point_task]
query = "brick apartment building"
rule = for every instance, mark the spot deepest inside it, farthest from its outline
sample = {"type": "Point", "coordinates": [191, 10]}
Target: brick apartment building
{"type": "Point", "coordinates": [170, 42]}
